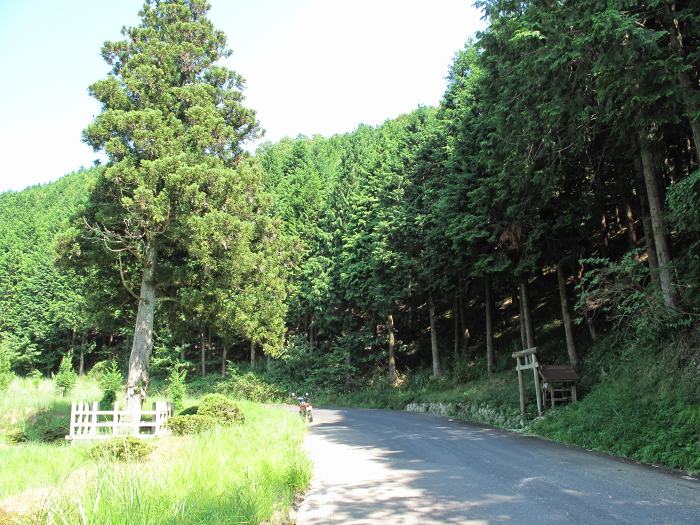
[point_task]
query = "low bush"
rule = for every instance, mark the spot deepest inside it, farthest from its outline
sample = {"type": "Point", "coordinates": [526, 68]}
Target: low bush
{"type": "Point", "coordinates": [35, 377]}
{"type": "Point", "coordinates": [124, 449]}
{"type": "Point", "coordinates": [110, 381]}
{"type": "Point", "coordinates": [189, 411]}
{"type": "Point", "coordinates": [222, 409]}
{"type": "Point", "coordinates": [191, 424]}
{"type": "Point", "coordinates": [48, 425]}
{"type": "Point", "coordinates": [177, 389]}
{"type": "Point", "coordinates": [66, 377]}
{"type": "Point", "coordinates": [251, 387]}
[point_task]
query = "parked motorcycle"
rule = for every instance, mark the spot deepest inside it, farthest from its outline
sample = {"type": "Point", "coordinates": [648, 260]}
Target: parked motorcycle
{"type": "Point", "coordinates": [305, 408]}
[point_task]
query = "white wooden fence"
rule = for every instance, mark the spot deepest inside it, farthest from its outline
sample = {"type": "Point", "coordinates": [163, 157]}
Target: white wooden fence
{"type": "Point", "coordinates": [87, 421]}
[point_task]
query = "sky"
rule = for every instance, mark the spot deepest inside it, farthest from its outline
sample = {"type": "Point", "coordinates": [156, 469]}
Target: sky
{"type": "Point", "coordinates": [311, 67]}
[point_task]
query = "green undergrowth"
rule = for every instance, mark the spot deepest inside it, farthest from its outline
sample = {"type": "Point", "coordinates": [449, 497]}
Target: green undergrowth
{"type": "Point", "coordinates": [248, 473]}
{"type": "Point", "coordinates": [639, 399]}
{"type": "Point", "coordinates": [649, 411]}
{"type": "Point", "coordinates": [499, 390]}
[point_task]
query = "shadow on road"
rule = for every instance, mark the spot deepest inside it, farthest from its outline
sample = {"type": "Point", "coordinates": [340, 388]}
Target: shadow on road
{"type": "Point", "coordinates": [374, 466]}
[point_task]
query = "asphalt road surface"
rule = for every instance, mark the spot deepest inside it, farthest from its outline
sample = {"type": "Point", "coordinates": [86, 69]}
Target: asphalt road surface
{"type": "Point", "coordinates": [385, 467]}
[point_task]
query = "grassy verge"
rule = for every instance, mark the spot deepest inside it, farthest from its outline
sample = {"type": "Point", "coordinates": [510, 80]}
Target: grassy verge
{"type": "Point", "coordinates": [34, 465]}
{"type": "Point", "coordinates": [646, 414]}
{"type": "Point", "coordinates": [249, 473]}
{"type": "Point", "coordinates": [242, 474]}
{"type": "Point", "coordinates": [647, 408]}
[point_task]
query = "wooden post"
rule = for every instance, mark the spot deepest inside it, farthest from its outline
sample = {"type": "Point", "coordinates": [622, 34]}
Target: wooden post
{"type": "Point", "coordinates": [538, 392]}
{"type": "Point", "coordinates": [93, 418]}
{"type": "Point", "coordinates": [521, 386]}
{"type": "Point", "coordinates": [71, 429]}
{"type": "Point", "coordinates": [115, 419]}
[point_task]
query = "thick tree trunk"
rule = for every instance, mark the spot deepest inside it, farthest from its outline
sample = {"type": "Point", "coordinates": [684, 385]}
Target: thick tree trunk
{"type": "Point", "coordinates": [663, 251]}
{"type": "Point", "coordinates": [687, 90]}
{"type": "Point", "coordinates": [527, 317]}
{"type": "Point", "coordinates": [629, 222]}
{"type": "Point", "coordinates": [224, 355]}
{"type": "Point", "coordinates": [437, 369]}
{"type": "Point", "coordinates": [182, 351]}
{"type": "Point", "coordinates": [490, 353]}
{"type": "Point", "coordinates": [566, 317]}
{"type": "Point", "coordinates": [392, 343]}
{"type": "Point", "coordinates": [81, 364]}
{"type": "Point", "coordinates": [311, 333]}
{"type": "Point", "coordinates": [463, 326]}
{"type": "Point", "coordinates": [455, 319]}
{"type": "Point", "coordinates": [203, 353]}
{"type": "Point", "coordinates": [521, 319]}
{"type": "Point", "coordinates": [137, 379]}
{"type": "Point", "coordinates": [252, 354]}
{"type": "Point", "coordinates": [646, 225]}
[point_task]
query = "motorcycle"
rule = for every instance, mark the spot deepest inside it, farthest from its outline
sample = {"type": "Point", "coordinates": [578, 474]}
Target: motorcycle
{"type": "Point", "coordinates": [305, 408]}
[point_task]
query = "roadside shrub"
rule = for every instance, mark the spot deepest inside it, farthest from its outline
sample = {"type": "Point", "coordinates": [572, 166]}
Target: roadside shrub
{"type": "Point", "coordinates": [49, 425]}
{"type": "Point", "coordinates": [191, 424]}
{"type": "Point", "coordinates": [177, 389]}
{"type": "Point", "coordinates": [110, 381]}
{"type": "Point", "coordinates": [66, 377]}
{"type": "Point", "coordinates": [189, 411]}
{"type": "Point", "coordinates": [223, 410]}
{"type": "Point", "coordinates": [98, 369]}
{"type": "Point", "coordinates": [125, 449]}
{"type": "Point", "coordinates": [35, 377]}
{"type": "Point", "coordinates": [15, 436]}
{"type": "Point", "coordinates": [251, 387]}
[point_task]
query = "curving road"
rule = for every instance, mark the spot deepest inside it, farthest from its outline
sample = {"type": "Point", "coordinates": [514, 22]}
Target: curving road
{"type": "Point", "coordinates": [385, 467]}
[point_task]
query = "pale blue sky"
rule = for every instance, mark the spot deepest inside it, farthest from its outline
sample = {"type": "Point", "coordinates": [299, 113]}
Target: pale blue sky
{"type": "Point", "coordinates": [312, 66]}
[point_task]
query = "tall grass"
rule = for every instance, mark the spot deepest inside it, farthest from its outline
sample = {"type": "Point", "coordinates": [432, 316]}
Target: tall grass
{"type": "Point", "coordinates": [241, 474]}
{"type": "Point", "coordinates": [25, 397]}
{"type": "Point", "coordinates": [35, 465]}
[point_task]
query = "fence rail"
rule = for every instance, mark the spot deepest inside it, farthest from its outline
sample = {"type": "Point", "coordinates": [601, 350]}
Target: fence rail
{"type": "Point", "coordinates": [87, 421]}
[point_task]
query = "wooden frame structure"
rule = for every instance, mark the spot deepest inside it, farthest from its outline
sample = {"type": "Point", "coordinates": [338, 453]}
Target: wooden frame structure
{"type": "Point", "coordinates": [558, 379]}
{"type": "Point", "coordinates": [87, 421]}
{"type": "Point", "coordinates": [529, 362]}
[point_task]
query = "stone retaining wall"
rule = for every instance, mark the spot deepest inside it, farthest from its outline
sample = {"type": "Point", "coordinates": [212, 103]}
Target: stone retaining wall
{"type": "Point", "coordinates": [477, 412]}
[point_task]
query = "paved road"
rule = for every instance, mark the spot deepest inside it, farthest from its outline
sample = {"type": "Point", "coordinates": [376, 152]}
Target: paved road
{"type": "Point", "coordinates": [375, 466]}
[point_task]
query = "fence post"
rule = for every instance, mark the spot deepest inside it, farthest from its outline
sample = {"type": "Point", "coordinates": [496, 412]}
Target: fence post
{"type": "Point", "coordinates": [93, 426]}
{"type": "Point", "coordinates": [71, 429]}
{"type": "Point", "coordinates": [115, 419]}
{"type": "Point", "coordinates": [81, 417]}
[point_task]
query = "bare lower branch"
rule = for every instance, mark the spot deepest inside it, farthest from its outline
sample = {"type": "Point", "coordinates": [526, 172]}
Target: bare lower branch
{"type": "Point", "coordinates": [121, 274]}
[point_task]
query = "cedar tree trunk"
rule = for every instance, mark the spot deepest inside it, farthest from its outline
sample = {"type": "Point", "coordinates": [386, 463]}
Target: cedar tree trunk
{"type": "Point", "coordinates": [137, 380]}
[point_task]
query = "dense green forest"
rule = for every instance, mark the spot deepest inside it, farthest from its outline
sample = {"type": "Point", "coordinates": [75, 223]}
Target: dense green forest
{"type": "Point", "coordinates": [551, 199]}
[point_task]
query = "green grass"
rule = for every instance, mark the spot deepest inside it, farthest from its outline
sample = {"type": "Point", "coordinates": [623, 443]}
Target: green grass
{"type": "Point", "coordinates": [34, 465]}
{"type": "Point", "coordinates": [31, 408]}
{"type": "Point", "coordinates": [249, 473]}
{"type": "Point", "coordinates": [649, 413]}
{"type": "Point", "coordinates": [24, 398]}
{"type": "Point", "coordinates": [240, 474]}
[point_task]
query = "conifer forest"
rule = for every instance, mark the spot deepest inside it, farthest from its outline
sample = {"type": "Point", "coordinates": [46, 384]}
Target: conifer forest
{"type": "Point", "coordinates": [550, 200]}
